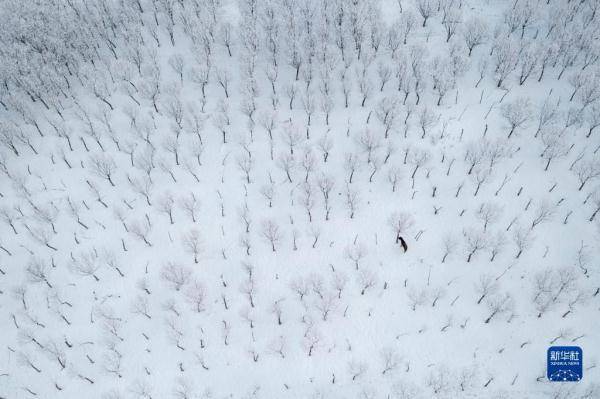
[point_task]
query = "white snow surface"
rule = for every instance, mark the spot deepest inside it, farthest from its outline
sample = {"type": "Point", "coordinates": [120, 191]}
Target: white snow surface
{"type": "Point", "coordinates": [89, 309]}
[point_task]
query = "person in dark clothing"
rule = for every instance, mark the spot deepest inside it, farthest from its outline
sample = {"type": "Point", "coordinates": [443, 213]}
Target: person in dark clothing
{"type": "Point", "coordinates": [400, 240]}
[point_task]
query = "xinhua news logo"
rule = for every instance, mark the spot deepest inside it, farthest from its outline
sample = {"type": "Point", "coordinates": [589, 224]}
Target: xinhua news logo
{"type": "Point", "coordinates": [565, 363]}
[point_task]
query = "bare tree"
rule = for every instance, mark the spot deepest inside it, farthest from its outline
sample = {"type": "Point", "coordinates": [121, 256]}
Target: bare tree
{"type": "Point", "coordinates": [451, 21]}
{"type": "Point", "coordinates": [190, 205]}
{"type": "Point", "coordinates": [497, 243]}
{"type": "Point", "coordinates": [352, 201]}
{"type": "Point", "coordinates": [506, 58]}
{"type": "Point", "coordinates": [141, 231]}
{"type": "Point", "coordinates": [192, 243]}
{"type": "Point", "coordinates": [587, 170]}
{"type": "Point", "coordinates": [326, 184]}
{"type": "Point", "coordinates": [387, 113]}
{"type": "Point", "coordinates": [245, 162]}
{"type": "Point", "coordinates": [291, 136]}
{"type": "Point", "coordinates": [223, 76]}
{"type": "Point", "coordinates": [427, 119]}
{"type": "Point", "coordinates": [268, 191]}
{"type": "Point", "coordinates": [104, 166]}
{"type": "Point", "coordinates": [351, 164]}
{"type": "Point", "coordinates": [401, 223]}
{"type": "Point", "coordinates": [166, 204]}
{"type": "Point", "coordinates": [390, 359]}
{"type": "Point", "coordinates": [592, 117]}
{"type": "Point", "coordinates": [427, 9]}
{"type": "Point", "coordinates": [450, 243]}
{"type": "Point", "coordinates": [486, 286]}
{"type": "Point", "coordinates": [517, 114]}
{"type": "Point", "coordinates": [498, 304]}
{"type": "Point", "coordinates": [272, 233]}
{"type": "Point", "coordinates": [475, 32]}
{"type": "Point", "coordinates": [356, 253]}
{"type": "Point", "coordinates": [418, 158]}
{"type": "Point", "coordinates": [366, 279]}
{"type": "Point", "coordinates": [543, 213]}
{"type": "Point", "coordinates": [86, 263]}
{"type": "Point", "coordinates": [488, 213]}
{"type": "Point", "coordinates": [307, 198]}
{"type": "Point", "coordinates": [407, 22]}
{"type": "Point", "coordinates": [523, 238]}
{"type": "Point", "coordinates": [475, 240]}
{"type": "Point", "coordinates": [175, 275]}
{"type": "Point", "coordinates": [394, 176]}
{"type": "Point", "coordinates": [287, 163]}
{"type": "Point", "coordinates": [37, 271]}
{"type": "Point", "coordinates": [416, 297]}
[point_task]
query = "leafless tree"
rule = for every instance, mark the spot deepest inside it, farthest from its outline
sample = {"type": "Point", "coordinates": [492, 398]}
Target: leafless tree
{"type": "Point", "coordinates": [475, 240]}
{"type": "Point", "coordinates": [352, 201]}
{"type": "Point", "coordinates": [291, 136]}
{"type": "Point", "coordinates": [351, 164]}
{"type": "Point", "coordinates": [366, 279]}
{"type": "Point", "coordinates": [391, 359]}
{"type": "Point", "coordinates": [517, 114]}
{"type": "Point", "coordinates": [401, 223]}
{"type": "Point", "coordinates": [474, 154]}
{"type": "Point", "coordinates": [499, 304]}
{"type": "Point", "coordinates": [418, 157]}
{"type": "Point", "coordinates": [387, 113]}
{"type": "Point", "coordinates": [450, 243]}
{"type": "Point", "coordinates": [587, 170]}
{"type": "Point", "coordinates": [486, 286]}
{"type": "Point", "coordinates": [184, 389]}
{"type": "Point", "coordinates": [451, 21]}
{"type": "Point", "coordinates": [497, 243]}
{"type": "Point", "coordinates": [87, 263]}
{"type": "Point", "coordinates": [104, 166]}
{"type": "Point", "coordinates": [416, 297]}
{"type": "Point", "coordinates": [326, 184]}
{"type": "Point", "coordinates": [406, 24]}
{"type": "Point", "coordinates": [394, 176]}
{"type": "Point", "coordinates": [307, 198]}
{"type": "Point", "coordinates": [427, 119]}
{"type": "Point", "coordinates": [427, 9]}
{"type": "Point", "coordinates": [543, 213]}
{"type": "Point", "coordinates": [175, 275]}
{"type": "Point", "coordinates": [311, 340]}
{"type": "Point", "coordinates": [268, 191]}
{"type": "Point", "coordinates": [506, 59]}
{"type": "Point", "coordinates": [141, 306]}
{"type": "Point", "coordinates": [481, 175]}
{"type": "Point", "coordinates": [190, 205]}
{"type": "Point", "coordinates": [141, 231]}
{"type": "Point", "coordinates": [37, 271]}
{"type": "Point", "coordinates": [356, 253]}
{"type": "Point", "coordinates": [192, 243]}
{"type": "Point", "coordinates": [325, 304]}
{"type": "Point", "coordinates": [475, 32]}
{"type": "Point", "coordinates": [272, 233]}
{"type": "Point", "coordinates": [365, 87]}
{"type": "Point", "coordinates": [488, 213]}
{"type": "Point", "coordinates": [325, 145]}
{"type": "Point", "coordinates": [523, 239]}
{"type": "Point", "coordinates": [287, 163]}
{"type": "Point", "coordinates": [223, 76]}
{"type": "Point", "coordinates": [357, 369]}
{"type": "Point", "coordinates": [300, 287]}
{"type": "Point", "coordinates": [166, 204]}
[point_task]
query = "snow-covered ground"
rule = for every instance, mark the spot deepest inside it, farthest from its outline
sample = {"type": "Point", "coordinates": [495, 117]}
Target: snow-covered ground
{"type": "Point", "coordinates": [202, 199]}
